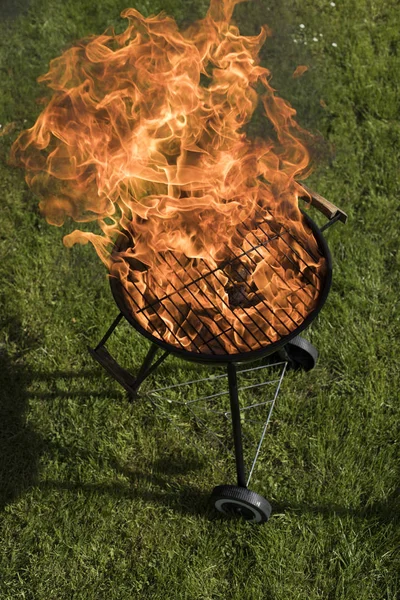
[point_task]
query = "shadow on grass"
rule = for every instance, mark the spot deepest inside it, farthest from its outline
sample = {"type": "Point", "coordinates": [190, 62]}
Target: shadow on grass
{"type": "Point", "coordinates": [183, 499]}
{"type": "Point", "coordinates": [166, 491]}
{"type": "Point", "coordinates": [385, 511]}
{"type": "Point", "coordinates": [75, 394]}
{"type": "Point", "coordinates": [20, 446]}
{"type": "Point", "coordinates": [55, 377]}
{"type": "Point", "coordinates": [10, 9]}
{"type": "Point", "coordinates": [156, 485]}
{"type": "Point", "coordinates": [191, 500]}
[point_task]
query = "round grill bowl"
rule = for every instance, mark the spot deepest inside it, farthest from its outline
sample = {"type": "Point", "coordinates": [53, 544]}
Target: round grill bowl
{"type": "Point", "coordinates": [118, 292]}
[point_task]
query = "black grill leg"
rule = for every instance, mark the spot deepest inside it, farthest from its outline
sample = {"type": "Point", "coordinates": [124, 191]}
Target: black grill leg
{"type": "Point", "coordinates": [141, 376]}
{"type": "Point", "coordinates": [126, 379]}
{"type": "Point", "coordinates": [113, 326]}
{"type": "Point", "coordinates": [236, 425]}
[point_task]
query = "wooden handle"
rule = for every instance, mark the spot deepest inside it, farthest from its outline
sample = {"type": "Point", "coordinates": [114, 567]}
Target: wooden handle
{"type": "Point", "coordinates": [323, 205]}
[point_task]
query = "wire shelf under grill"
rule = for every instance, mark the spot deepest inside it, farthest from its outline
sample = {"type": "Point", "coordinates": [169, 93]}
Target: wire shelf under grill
{"type": "Point", "coordinates": [188, 409]}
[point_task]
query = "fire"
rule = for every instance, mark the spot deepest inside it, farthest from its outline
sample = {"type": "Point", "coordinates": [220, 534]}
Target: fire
{"type": "Point", "coordinates": [143, 133]}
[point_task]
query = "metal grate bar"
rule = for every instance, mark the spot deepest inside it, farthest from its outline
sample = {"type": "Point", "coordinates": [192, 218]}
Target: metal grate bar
{"type": "Point", "coordinates": [263, 301]}
{"type": "Point", "coordinates": [154, 329]}
{"type": "Point", "coordinates": [292, 236]}
{"type": "Point", "coordinates": [270, 309]}
{"type": "Point", "coordinates": [201, 277]}
{"type": "Point", "coordinates": [258, 404]}
{"type": "Point", "coordinates": [172, 254]}
{"type": "Point", "coordinates": [194, 297]}
{"type": "Point", "coordinates": [244, 309]}
{"type": "Point", "coordinates": [179, 325]}
{"type": "Point", "coordinates": [281, 278]}
{"type": "Point", "coordinates": [285, 255]}
{"type": "Point", "coordinates": [229, 308]}
{"type": "Point", "coordinates": [293, 249]}
{"type": "Point", "coordinates": [201, 291]}
{"type": "Point", "coordinates": [184, 318]}
{"type": "Point", "coordinates": [291, 260]}
{"type": "Point", "coordinates": [256, 309]}
{"type": "Point", "coordinates": [268, 366]}
{"type": "Point", "coordinates": [252, 232]}
{"type": "Point", "coordinates": [215, 307]}
{"type": "Point", "coordinates": [135, 301]}
{"type": "Point", "coordinates": [292, 291]}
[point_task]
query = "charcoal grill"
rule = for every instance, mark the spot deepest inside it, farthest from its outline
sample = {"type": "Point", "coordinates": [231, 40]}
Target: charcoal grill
{"type": "Point", "coordinates": [285, 344]}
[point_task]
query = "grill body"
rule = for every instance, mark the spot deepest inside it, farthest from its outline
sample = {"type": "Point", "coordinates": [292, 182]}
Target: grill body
{"type": "Point", "coordinates": [118, 292]}
{"type": "Point", "coordinates": [294, 351]}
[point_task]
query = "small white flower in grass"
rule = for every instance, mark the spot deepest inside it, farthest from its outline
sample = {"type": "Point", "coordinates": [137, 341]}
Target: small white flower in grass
{"type": "Point", "coordinates": [302, 26]}
{"type": "Point", "coordinates": [315, 39]}
{"type": "Point", "coordinates": [295, 41]}
{"type": "Point", "coordinates": [321, 35]}
{"type": "Point", "coordinates": [334, 44]}
{"type": "Point", "coordinates": [332, 3]}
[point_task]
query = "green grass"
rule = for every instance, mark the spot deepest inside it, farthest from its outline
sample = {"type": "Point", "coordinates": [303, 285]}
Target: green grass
{"type": "Point", "coordinates": [101, 499]}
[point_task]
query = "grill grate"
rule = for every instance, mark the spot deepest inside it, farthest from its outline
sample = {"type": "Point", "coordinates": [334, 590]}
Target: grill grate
{"type": "Point", "coordinates": [216, 308]}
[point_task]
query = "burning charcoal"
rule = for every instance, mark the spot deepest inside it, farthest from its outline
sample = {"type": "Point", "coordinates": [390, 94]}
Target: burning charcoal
{"type": "Point", "coordinates": [135, 264]}
{"type": "Point", "coordinates": [242, 273]}
{"type": "Point", "coordinates": [237, 271]}
{"type": "Point", "coordinates": [238, 295]}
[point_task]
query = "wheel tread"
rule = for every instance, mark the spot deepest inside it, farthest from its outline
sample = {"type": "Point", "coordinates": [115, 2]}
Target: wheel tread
{"type": "Point", "coordinates": [233, 492]}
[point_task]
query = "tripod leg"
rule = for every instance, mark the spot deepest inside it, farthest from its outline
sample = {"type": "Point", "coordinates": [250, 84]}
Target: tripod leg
{"type": "Point", "coordinates": [110, 330]}
{"type": "Point", "coordinates": [124, 377]}
{"type": "Point", "coordinates": [147, 368]}
{"type": "Point", "coordinates": [236, 425]}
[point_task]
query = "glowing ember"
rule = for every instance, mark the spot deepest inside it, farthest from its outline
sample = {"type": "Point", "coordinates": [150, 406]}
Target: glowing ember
{"type": "Point", "coordinates": [144, 134]}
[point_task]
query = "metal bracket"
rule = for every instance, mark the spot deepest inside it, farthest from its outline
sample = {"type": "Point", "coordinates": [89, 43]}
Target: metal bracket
{"type": "Point", "coordinates": [130, 383]}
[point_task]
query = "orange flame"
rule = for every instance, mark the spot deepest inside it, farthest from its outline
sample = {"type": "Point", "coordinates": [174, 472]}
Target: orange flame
{"type": "Point", "coordinates": [144, 134]}
{"type": "Point", "coordinates": [299, 71]}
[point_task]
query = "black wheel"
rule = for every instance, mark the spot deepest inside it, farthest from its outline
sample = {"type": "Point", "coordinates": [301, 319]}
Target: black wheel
{"type": "Point", "coordinates": [235, 501]}
{"type": "Point", "coordinates": [300, 354]}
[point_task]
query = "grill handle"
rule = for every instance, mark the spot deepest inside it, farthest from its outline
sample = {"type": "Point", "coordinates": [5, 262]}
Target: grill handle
{"type": "Point", "coordinates": [332, 212]}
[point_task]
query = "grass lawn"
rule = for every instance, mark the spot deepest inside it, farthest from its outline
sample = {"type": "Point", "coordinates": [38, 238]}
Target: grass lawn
{"type": "Point", "coordinates": [102, 499]}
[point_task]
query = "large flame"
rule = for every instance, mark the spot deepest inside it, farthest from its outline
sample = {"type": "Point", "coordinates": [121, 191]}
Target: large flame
{"type": "Point", "coordinates": [144, 134]}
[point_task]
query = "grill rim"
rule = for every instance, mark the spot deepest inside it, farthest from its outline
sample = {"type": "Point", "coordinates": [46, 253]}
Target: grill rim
{"type": "Point", "coordinates": [117, 290]}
